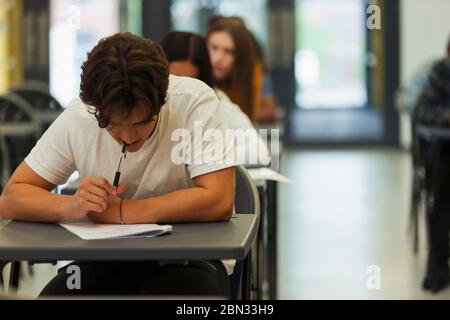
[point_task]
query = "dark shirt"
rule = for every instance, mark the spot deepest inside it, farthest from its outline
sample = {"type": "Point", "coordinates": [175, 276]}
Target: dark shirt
{"type": "Point", "coordinates": [433, 105]}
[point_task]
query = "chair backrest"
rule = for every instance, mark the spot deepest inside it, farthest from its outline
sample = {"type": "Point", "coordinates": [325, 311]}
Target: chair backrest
{"type": "Point", "coordinates": [246, 201]}
{"type": "Point", "coordinates": [246, 198]}
{"type": "Point", "coordinates": [38, 95]}
{"type": "Point", "coordinates": [46, 108]}
{"type": "Point", "coordinates": [19, 132]}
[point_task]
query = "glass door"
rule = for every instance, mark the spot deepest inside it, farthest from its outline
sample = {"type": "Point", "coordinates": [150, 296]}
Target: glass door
{"type": "Point", "coordinates": [334, 65]}
{"type": "Point", "coordinates": [330, 66]}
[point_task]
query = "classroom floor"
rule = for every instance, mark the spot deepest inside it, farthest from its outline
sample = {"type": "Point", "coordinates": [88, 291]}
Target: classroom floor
{"type": "Point", "coordinates": [343, 220]}
{"type": "Point", "coordinates": [359, 124]}
{"type": "Point", "coordinates": [345, 212]}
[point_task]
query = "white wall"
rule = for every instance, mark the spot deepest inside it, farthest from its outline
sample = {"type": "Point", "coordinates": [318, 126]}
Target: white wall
{"type": "Point", "coordinates": [424, 32]}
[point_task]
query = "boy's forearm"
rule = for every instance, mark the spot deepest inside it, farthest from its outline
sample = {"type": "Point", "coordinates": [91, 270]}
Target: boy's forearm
{"type": "Point", "coordinates": [30, 203]}
{"type": "Point", "coordinates": [186, 205]}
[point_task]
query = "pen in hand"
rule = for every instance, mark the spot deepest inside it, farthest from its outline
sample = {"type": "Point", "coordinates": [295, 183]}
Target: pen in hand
{"type": "Point", "coordinates": [117, 175]}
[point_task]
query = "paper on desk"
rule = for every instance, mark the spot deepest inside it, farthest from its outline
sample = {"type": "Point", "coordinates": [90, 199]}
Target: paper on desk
{"type": "Point", "coordinates": [267, 174]}
{"type": "Point", "coordinates": [92, 231]}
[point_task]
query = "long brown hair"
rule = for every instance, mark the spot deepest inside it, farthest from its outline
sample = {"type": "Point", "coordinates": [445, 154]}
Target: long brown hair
{"type": "Point", "coordinates": [239, 85]}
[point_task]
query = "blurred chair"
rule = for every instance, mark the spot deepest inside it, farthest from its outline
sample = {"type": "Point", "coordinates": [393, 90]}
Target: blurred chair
{"type": "Point", "coordinates": [19, 132]}
{"type": "Point", "coordinates": [38, 95]}
{"type": "Point", "coordinates": [246, 201]}
{"type": "Point", "coordinates": [405, 102]}
{"type": "Point", "coordinates": [46, 107]}
{"type": "Point", "coordinates": [418, 184]}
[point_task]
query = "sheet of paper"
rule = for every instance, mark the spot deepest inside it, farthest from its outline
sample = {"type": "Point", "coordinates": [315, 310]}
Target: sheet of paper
{"type": "Point", "coordinates": [267, 174]}
{"type": "Point", "coordinates": [93, 231]}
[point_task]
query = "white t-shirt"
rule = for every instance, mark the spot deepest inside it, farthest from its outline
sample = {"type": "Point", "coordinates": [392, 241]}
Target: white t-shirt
{"type": "Point", "coordinates": [76, 142]}
{"type": "Point", "coordinates": [250, 148]}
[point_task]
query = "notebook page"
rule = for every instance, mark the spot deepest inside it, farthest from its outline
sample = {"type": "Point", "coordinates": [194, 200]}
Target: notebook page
{"type": "Point", "coordinates": [93, 231]}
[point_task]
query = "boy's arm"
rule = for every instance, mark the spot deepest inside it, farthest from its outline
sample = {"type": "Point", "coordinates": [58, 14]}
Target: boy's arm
{"type": "Point", "coordinates": [212, 199]}
{"type": "Point", "coordinates": [27, 197]}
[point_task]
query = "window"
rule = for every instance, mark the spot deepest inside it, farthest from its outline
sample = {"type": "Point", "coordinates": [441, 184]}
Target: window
{"type": "Point", "coordinates": [76, 27]}
{"type": "Point", "coordinates": [193, 15]}
{"type": "Point", "coordinates": [330, 67]}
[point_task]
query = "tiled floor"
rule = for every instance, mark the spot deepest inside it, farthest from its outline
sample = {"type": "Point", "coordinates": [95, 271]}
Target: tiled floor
{"type": "Point", "coordinates": [346, 210]}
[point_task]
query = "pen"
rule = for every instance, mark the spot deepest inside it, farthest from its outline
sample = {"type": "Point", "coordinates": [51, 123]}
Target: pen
{"type": "Point", "coordinates": [123, 155]}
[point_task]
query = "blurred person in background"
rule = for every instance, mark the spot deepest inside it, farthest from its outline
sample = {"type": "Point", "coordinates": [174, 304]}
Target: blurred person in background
{"type": "Point", "coordinates": [433, 105]}
{"type": "Point", "coordinates": [188, 56]}
{"type": "Point", "coordinates": [433, 109]}
{"type": "Point", "coordinates": [235, 65]}
{"type": "Point", "coordinates": [266, 110]}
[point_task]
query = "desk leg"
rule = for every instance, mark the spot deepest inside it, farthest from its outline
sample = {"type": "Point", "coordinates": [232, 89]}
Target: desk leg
{"type": "Point", "coordinates": [437, 218]}
{"type": "Point", "coordinates": [14, 277]}
{"type": "Point", "coordinates": [247, 276]}
{"type": "Point", "coordinates": [414, 210]}
{"type": "Point", "coordinates": [272, 237]}
{"type": "Point", "coordinates": [261, 254]}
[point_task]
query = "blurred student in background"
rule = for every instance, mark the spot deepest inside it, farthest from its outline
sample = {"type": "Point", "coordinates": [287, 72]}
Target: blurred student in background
{"type": "Point", "coordinates": [433, 109]}
{"type": "Point", "coordinates": [236, 69]}
{"type": "Point", "coordinates": [233, 31]}
{"type": "Point", "coordinates": [433, 105]}
{"type": "Point", "coordinates": [188, 56]}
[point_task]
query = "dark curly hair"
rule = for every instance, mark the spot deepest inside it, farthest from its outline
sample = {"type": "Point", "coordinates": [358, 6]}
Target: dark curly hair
{"type": "Point", "coordinates": [121, 73]}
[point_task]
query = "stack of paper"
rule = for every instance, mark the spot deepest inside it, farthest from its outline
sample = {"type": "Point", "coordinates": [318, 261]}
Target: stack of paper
{"type": "Point", "coordinates": [92, 231]}
{"type": "Point", "coordinates": [267, 174]}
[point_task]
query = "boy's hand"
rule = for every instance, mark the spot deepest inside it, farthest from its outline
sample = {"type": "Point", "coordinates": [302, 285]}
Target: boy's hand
{"type": "Point", "coordinates": [112, 213]}
{"type": "Point", "coordinates": [93, 195]}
